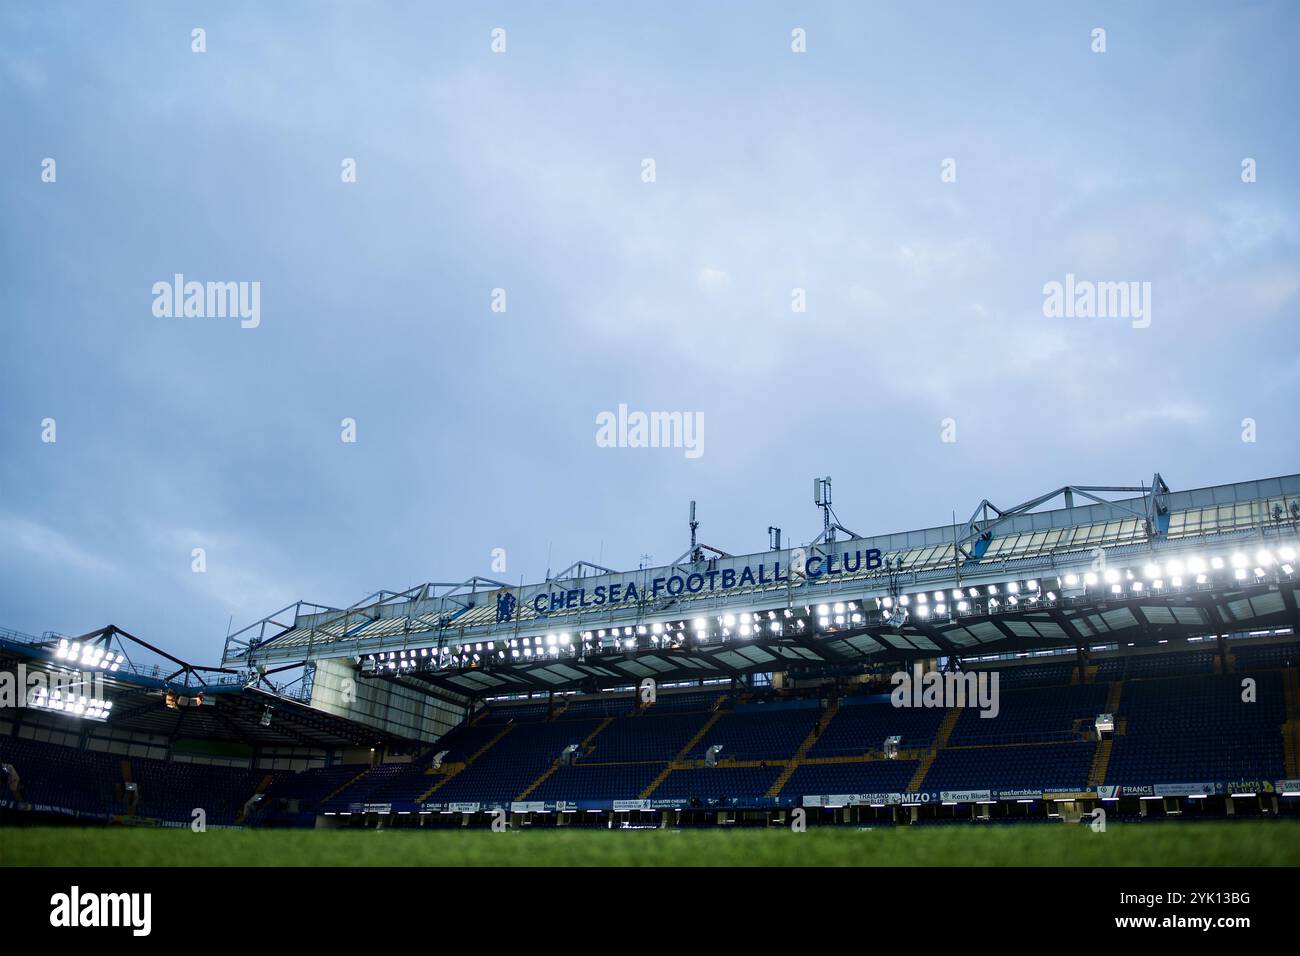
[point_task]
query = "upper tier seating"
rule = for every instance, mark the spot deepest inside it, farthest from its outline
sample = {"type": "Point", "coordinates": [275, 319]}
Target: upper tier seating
{"type": "Point", "coordinates": [862, 724]}
{"type": "Point", "coordinates": [759, 731]}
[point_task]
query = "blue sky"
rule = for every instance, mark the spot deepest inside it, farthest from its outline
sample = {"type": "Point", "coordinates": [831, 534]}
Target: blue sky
{"type": "Point", "coordinates": [522, 171]}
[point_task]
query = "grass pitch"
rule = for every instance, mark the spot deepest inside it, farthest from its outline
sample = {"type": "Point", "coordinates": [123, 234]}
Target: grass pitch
{"type": "Point", "coordinates": [1155, 844]}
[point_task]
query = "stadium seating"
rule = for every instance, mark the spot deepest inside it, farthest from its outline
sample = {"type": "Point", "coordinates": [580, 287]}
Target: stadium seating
{"type": "Point", "coordinates": [1032, 714]}
{"type": "Point", "coordinates": [862, 724]}
{"type": "Point", "coordinates": [624, 781]}
{"type": "Point", "coordinates": [759, 731]}
{"type": "Point", "coordinates": [646, 738]}
{"type": "Point", "coordinates": [1062, 766]}
{"type": "Point", "coordinates": [1179, 719]}
{"type": "Point", "coordinates": [875, 776]}
{"type": "Point", "coordinates": [718, 783]}
{"type": "Point", "coordinates": [511, 765]}
{"type": "Point", "coordinates": [1194, 729]}
{"type": "Point", "coordinates": [64, 777]}
{"type": "Point", "coordinates": [172, 791]}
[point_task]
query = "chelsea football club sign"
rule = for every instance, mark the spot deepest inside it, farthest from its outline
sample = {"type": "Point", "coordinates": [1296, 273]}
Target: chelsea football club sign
{"type": "Point", "coordinates": [810, 569]}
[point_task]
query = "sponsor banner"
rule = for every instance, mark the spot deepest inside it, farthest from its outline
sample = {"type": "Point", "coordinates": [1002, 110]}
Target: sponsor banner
{"type": "Point", "coordinates": [463, 807]}
{"type": "Point", "coordinates": [667, 804]}
{"type": "Point", "coordinates": [1115, 792]}
{"type": "Point", "coordinates": [1029, 794]}
{"type": "Point", "coordinates": [1288, 786]}
{"type": "Point", "coordinates": [1068, 795]}
{"type": "Point", "coordinates": [527, 806]}
{"type": "Point", "coordinates": [1250, 786]}
{"type": "Point", "coordinates": [854, 799]}
{"type": "Point", "coordinates": [370, 807]}
{"type": "Point", "coordinates": [964, 796]}
{"type": "Point", "coordinates": [1186, 789]}
{"type": "Point", "coordinates": [915, 797]}
{"type": "Point", "coordinates": [625, 805]}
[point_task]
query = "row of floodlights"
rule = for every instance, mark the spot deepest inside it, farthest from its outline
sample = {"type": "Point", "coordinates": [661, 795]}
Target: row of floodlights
{"type": "Point", "coordinates": [939, 603]}
{"type": "Point", "coordinates": [745, 624]}
{"type": "Point", "coordinates": [74, 705]}
{"type": "Point", "coordinates": [1175, 572]}
{"type": "Point", "coordinates": [89, 655]}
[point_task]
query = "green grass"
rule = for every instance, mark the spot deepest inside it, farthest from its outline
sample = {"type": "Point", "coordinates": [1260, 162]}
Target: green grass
{"type": "Point", "coordinates": [1163, 844]}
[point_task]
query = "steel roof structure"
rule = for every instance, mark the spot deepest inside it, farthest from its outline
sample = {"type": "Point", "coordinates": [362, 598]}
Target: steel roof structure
{"type": "Point", "coordinates": [1078, 566]}
{"type": "Point", "coordinates": [233, 705]}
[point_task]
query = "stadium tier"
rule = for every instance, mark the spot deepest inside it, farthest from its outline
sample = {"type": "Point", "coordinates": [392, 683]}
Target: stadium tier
{"type": "Point", "coordinates": [1178, 719]}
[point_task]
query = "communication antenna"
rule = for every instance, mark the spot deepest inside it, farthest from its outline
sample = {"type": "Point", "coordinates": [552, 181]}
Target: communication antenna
{"type": "Point", "coordinates": [697, 555]}
{"type": "Point", "coordinates": [822, 499]}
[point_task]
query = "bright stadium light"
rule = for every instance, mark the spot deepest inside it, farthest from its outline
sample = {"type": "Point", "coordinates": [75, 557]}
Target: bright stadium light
{"type": "Point", "coordinates": [1216, 562]}
{"type": "Point", "coordinates": [1151, 571]}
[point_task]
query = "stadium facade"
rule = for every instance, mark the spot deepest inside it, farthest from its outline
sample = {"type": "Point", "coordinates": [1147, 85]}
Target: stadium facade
{"type": "Point", "coordinates": [1143, 639]}
{"type": "Point", "coordinates": [1021, 578]}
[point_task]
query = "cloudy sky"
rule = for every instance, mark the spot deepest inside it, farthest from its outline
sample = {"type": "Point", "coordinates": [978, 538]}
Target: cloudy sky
{"type": "Point", "coordinates": [523, 171]}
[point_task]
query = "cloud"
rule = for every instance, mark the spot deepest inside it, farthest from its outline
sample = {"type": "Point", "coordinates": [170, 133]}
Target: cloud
{"type": "Point", "coordinates": [49, 547]}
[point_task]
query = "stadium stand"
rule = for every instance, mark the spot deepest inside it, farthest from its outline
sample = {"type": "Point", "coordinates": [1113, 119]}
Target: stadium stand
{"type": "Point", "coordinates": [1179, 718]}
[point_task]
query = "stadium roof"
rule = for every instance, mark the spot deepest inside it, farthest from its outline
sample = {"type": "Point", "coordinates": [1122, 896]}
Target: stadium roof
{"type": "Point", "coordinates": [206, 702]}
{"type": "Point", "coordinates": [1066, 568]}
